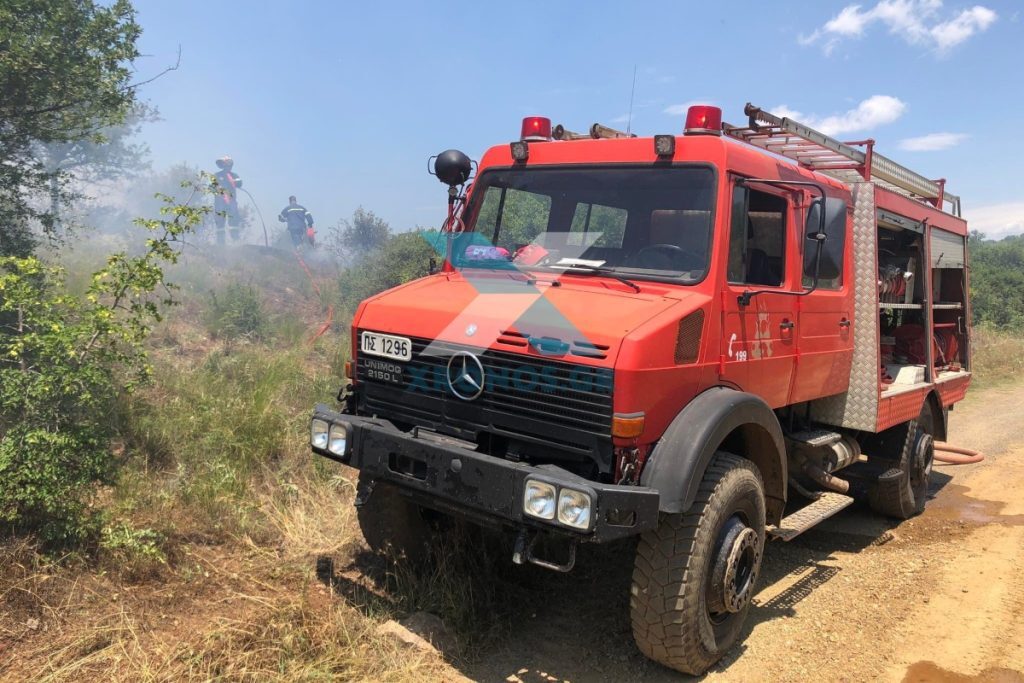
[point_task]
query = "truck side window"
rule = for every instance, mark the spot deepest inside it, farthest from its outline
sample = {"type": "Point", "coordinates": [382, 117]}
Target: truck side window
{"type": "Point", "coordinates": [757, 240]}
{"type": "Point", "coordinates": [597, 225]}
{"type": "Point", "coordinates": [511, 218]}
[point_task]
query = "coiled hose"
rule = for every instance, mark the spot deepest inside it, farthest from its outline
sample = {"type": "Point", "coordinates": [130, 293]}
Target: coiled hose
{"type": "Point", "coordinates": [956, 455]}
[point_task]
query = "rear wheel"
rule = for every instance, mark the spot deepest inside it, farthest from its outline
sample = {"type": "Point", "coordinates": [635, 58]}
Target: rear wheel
{"type": "Point", "coordinates": [901, 491]}
{"type": "Point", "coordinates": [393, 525]}
{"type": "Point", "coordinates": [695, 575]}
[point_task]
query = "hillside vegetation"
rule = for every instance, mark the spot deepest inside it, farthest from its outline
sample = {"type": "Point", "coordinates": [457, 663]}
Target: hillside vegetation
{"type": "Point", "coordinates": [209, 530]}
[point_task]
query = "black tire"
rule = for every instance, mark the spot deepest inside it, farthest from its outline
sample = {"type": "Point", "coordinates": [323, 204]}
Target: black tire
{"type": "Point", "coordinates": [679, 617]}
{"type": "Point", "coordinates": [393, 525]}
{"type": "Point", "coordinates": [902, 490]}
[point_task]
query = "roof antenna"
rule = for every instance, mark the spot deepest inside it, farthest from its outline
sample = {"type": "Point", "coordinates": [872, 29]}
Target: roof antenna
{"type": "Point", "coordinates": [629, 121]}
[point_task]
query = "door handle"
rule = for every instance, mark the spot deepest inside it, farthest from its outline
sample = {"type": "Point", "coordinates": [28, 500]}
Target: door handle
{"type": "Point", "coordinates": [787, 324]}
{"type": "Point", "coordinates": [844, 323]}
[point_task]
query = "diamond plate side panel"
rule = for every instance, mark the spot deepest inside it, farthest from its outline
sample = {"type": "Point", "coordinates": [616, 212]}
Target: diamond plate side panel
{"type": "Point", "coordinates": [857, 408]}
{"type": "Point", "coordinates": [894, 410]}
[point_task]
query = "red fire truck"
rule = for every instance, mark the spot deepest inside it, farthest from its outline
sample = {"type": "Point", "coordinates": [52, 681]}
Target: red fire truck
{"type": "Point", "coordinates": [699, 340]}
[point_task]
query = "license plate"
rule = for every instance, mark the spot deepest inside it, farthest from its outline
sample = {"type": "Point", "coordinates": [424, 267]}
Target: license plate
{"type": "Point", "coordinates": [383, 371]}
{"type": "Point", "coordinates": [386, 346]}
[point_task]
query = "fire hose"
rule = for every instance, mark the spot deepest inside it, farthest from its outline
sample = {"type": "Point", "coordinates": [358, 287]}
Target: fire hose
{"type": "Point", "coordinates": [266, 238]}
{"type": "Point", "coordinates": [956, 455]}
{"type": "Point", "coordinates": [316, 288]}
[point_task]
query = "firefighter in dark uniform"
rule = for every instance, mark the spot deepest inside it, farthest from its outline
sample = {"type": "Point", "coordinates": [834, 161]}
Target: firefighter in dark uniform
{"type": "Point", "coordinates": [225, 202]}
{"type": "Point", "coordinates": [299, 220]}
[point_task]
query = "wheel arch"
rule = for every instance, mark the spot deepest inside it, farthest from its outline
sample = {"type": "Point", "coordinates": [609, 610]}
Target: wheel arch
{"type": "Point", "coordinates": [718, 419]}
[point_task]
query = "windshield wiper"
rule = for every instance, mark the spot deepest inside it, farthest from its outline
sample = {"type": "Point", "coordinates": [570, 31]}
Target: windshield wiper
{"type": "Point", "coordinates": [597, 270]}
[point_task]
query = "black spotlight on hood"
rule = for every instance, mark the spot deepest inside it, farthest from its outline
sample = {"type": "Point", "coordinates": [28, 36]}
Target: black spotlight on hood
{"type": "Point", "coordinates": [452, 167]}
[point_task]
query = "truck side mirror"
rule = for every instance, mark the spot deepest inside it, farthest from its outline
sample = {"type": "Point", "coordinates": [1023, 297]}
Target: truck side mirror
{"type": "Point", "coordinates": [826, 236]}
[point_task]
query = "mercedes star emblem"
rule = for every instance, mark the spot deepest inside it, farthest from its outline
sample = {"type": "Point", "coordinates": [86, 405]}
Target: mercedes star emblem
{"type": "Point", "coordinates": [466, 376]}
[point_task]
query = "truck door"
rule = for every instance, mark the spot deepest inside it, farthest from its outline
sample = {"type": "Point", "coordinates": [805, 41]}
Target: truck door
{"type": "Point", "coordinates": [825, 325]}
{"type": "Point", "coordinates": [759, 340]}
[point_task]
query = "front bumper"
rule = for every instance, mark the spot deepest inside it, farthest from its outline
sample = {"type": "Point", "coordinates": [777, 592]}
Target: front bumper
{"type": "Point", "coordinates": [448, 475]}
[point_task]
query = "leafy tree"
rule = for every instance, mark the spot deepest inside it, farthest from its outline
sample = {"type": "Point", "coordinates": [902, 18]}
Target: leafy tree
{"type": "Point", "coordinates": [110, 154]}
{"type": "Point", "coordinates": [405, 256]}
{"type": "Point", "coordinates": [365, 233]}
{"type": "Point", "coordinates": [65, 70]}
{"type": "Point", "coordinates": [997, 281]}
{"type": "Point", "coordinates": [64, 359]}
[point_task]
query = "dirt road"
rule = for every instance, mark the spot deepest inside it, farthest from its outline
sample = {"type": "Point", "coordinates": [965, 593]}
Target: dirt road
{"type": "Point", "coordinates": [937, 598]}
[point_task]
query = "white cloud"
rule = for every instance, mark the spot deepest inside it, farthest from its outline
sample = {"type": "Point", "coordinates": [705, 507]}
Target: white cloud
{"type": "Point", "coordinates": [951, 33]}
{"type": "Point", "coordinates": [932, 142]}
{"type": "Point", "coordinates": [875, 111]}
{"type": "Point", "coordinates": [918, 22]}
{"type": "Point", "coordinates": [997, 220]}
{"type": "Point", "coordinates": [680, 109]}
{"type": "Point", "coordinates": [622, 118]}
{"type": "Point", "coordinates": [786, 112]}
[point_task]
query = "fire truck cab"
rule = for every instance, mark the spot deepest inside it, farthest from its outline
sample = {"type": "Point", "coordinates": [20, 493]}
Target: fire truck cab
{"type": "Point", "coordinates": [703, 340]}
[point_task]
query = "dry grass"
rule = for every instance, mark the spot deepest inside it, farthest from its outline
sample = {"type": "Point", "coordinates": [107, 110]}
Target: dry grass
{"type": "Point", "coordinates": [208, 569]}
{"type": "Point", "coordinates": [229, 614]}
{"type": "Point", "coordinates": [997, 355]}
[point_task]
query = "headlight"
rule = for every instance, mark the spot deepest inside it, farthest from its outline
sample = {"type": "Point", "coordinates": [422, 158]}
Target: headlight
{"type": "Point", "coordinates": [339, 439]}
{"type": "Point", "coordinates": [318, 433]}
{"type": "Point", "coordinates": [539, 499]}
{"type": "Point", "coordinates": [574, 509]}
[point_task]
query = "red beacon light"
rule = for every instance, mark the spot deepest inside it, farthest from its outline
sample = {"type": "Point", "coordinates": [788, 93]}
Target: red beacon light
{"type": "Point", "coordinates": [536, 129]}
{"type": "Point", "coordinates": [703, 119]}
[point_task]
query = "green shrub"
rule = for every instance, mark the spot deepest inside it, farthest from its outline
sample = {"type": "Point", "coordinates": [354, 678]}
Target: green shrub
{"type": "Point", "coordinates": [237, 312]}
{"type": "Point", "coordinates": [64, 360]}
{"type": "Point", "coordinates": [402, 258]}
{"type": "Point", "coordinates": [132, 553]}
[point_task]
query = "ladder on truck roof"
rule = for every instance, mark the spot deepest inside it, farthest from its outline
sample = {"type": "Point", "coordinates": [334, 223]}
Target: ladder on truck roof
{"type": "Point", "coordinates": [840, 160]}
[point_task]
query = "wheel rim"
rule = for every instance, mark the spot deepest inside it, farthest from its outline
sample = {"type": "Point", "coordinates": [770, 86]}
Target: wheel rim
{"type": "Point", "coordinates": [734, 570]}
{"type": "Point", "coordinates": [923, 457]}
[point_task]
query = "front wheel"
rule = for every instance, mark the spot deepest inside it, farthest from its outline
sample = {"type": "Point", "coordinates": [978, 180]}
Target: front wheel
{"type": "Point", "coordinates": [393, 525]}
{"type": "Point", "coordinates": [695, 574]}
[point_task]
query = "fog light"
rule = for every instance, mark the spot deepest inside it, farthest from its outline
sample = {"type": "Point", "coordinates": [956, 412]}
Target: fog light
{"type": "Point", "coordinates": [574, 509]}
{"type": "Point", "coordinates": [539, 500]}
{"type": "Point", "coordinates": [318, 433]}
{"type": "Point", "coordinates": [339, 439]}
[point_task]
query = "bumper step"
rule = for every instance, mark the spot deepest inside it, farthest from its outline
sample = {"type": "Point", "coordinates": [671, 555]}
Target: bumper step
{"type": "Point", "coordinates": [803, 519]}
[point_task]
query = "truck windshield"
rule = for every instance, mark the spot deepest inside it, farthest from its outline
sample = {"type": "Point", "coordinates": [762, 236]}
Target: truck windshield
{"type": "Point", "coordinates": [647, 222]}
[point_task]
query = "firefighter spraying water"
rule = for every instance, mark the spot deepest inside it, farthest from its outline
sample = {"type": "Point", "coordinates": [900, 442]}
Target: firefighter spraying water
{"type": "Point", "coordinates": [225, 202]}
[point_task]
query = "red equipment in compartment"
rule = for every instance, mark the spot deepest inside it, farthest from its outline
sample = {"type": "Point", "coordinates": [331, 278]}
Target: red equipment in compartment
{"type": "Point", "coordinates": [910, 343]}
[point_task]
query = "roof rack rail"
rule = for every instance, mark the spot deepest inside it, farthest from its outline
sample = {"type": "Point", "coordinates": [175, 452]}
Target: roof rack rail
{"type": "Point", "coordinates": [843, 161]}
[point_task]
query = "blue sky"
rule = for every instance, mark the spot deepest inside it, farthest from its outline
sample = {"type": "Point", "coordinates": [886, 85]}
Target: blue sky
{"type": "Point", "coordinates": [342, 103]}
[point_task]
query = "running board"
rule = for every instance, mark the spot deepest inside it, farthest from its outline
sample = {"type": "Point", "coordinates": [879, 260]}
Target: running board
{"type": "Point", "coordinates": [803, 519]}
{"type": "Point", "coordinates": [815, 438]}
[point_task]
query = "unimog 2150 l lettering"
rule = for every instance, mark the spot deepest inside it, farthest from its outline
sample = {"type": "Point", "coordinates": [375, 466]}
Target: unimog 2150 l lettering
{"type": "Point", "coordinates": [702, 340]}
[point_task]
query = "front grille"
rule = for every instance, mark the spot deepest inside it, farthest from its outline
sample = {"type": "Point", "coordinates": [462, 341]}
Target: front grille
{"type": "Point", "coordinates": [562, 403]}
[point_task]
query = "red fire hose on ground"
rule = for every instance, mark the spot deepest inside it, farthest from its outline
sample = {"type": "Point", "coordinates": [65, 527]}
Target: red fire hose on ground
{"type": "Point", "coordinates": [330, 308]}
{"type": "Point", "coordinates": [956, 455]}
